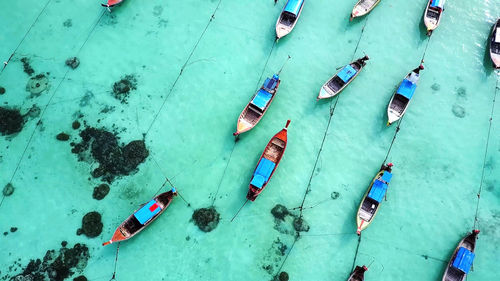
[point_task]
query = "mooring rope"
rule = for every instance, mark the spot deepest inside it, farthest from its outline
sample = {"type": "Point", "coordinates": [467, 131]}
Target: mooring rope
{"type": "Point", "coordinates": [486, 152]}
{"type": "Point", "coordinates": [24, 37]}
{"type": "Point", "coordinates": [39, 122]}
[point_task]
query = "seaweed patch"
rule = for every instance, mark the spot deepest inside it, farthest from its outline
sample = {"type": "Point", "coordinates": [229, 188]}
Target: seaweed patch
{"type": "Point", "coordinates": [91, 225]}
{"type": "Point", "coordinates": [123, 87]}
{"type": "Point", "coordinates": [458, 111]}
{"type": "Point", "coordinates": [114, 159]}
{"type": "Point", "coordinates": [11, 121]}
{"type": "Point", "coordinates": [27, 67]}
{"type": "Point", "coordinates": [8, 190]}
{"type": "Point", "coordinates": [56, 265]}
{"type": "Point", "coordinates": [2, 90]}
{"type": "Point", "coordinates": [73, 62]}
{"type": "Point", "coordinates": [273, 258]}
{"type": "Point", "coordinates": [100, 191]}
{"type": "Point", "coordinates": [287, 222]}
{"type": "Point", "coordinates": [206, 219]}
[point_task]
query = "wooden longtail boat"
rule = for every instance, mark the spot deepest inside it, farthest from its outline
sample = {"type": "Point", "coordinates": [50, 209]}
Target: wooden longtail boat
{"type": "Point", "coordinates": [432, 15]}
{"type": "Point", "coordinates": [358, 274]}
{"type": "Point", "coordinates": [268, 163]}
{"type": "Point", "coordinates": [495, 45]}
{"type": "Point", "coordinates": [402, 97]}
{"type": "Point", "coordinates": [111, 3]}
{"type": "Point", "coordinates": [363, 7]}
{"type": "Point", "coordinates": [462, 258]}
{"type": "Point", "coordinates": [289, 17]}
{"type": "Point", "coordinates": [142, 217]}
{"type": "Point", "coordinates": [342, 78]}
{"type": "Point", "coordinates": [258, 105]}
{"type": "Point", "coordinates": [373, 198]}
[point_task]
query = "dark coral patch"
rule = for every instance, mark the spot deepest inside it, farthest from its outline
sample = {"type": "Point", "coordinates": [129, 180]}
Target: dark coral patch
{"type": "Point", "coordinates": [11, 121]}
{"type": "Point", "coordinates": [27, 67]}
{"type": "Point", "coordinates": [100, 191]}
{"type": "Point", "coordinates": [73, 62]}
{"type": "Point", "coordinates": [8, 190]}
{"type": "Point", "coordinates": [113, 159]}
{"type": "Point", "coordinates": [206, 219]}
{"type": "Point", "coordinates": [62, 137]}
{"type": "Point", "coordinates": [91, 224]}
{"type": "Point", "coordinates": [279, 212]}
{"type": "Point", "coordinates": [123, 87]}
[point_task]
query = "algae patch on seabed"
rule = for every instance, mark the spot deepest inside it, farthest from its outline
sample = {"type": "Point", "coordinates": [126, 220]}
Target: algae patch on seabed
{"type": "Point", "coordinates": [100, 191]}
{"type": "Point", "coordinates": [91, 225]}
{"type": "Point", "coordinates": [56, 265]}
{"type": "Point", "coordinates": [287, 222]}
{"type": "Point", "coordinates": [114, 159]}
{"type": "Point", "coordinates": [206, 219]}
{"type": "Point", "coordinates": [27, 66]}
{"type": "Point", "coordinates": [11, 121]}
{"type": "Point", "coordinates": [123, 87]}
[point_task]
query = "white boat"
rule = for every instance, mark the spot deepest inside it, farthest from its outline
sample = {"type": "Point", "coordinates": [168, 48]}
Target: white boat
{"type": "Point", "coordinates": [432, 15]}
{"type": "Point", "coordinates": [288, 17]}
{"type": "Point", "coordinates": [342, 78]}
{"type": "Point", "coordinates": [495, 45]}
{"type": "Point", "coordinates": [402, 97]}
{"type": "Point", "coordinates": [363, 7]}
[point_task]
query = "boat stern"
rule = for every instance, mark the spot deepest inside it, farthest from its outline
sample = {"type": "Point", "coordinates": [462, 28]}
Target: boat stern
{"type": "Point", "coordinates": [392, 117]}
{"type": "Point", "coordinates": [495, 58]}
{"type": "Point", "coordinates": [281, 31]}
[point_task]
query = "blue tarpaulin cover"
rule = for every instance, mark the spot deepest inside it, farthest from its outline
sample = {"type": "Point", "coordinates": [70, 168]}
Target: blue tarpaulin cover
{"type": "Point", "coordinates": [387, 176]}
{"type": "Point", "coordinates": [347, 73]}
{"type": "Point", "coordinates": [270, 84]}
{"type": "Point", "coordinates": [377, 191]}
{"type": "Point", "coordinates": [263, 172]}
{"type": "Point", "coordinates": [406, 89]}
{"type": "Point", "coordinates": [293, 6]}
{"type": "Point", "coordinates": [261, 99]}
{"type": "Point", "coordinates": [147, 211]}
{"type": "Point", "coordinates": [463, 260]}
{"type": "Point", "coordinates": [437, 3]}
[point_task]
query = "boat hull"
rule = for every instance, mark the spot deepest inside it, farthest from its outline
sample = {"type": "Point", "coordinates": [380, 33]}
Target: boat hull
{"type": "Point", "coordinates": [394, 112]}
{"type": "Point", "coordinates": [468, 242]}
{"type": "Point", "coordinates": [432, 22]}
{"type": "Point", "coordinates": [360, 10]}
{"type": "Point", "coordinates": [495, 46]}
{"type": "Point", "coordinates": [326, 92]}
{"type": "Point", "coordinates": [281, 29]}
{"type": "Point", "coordinates": [123, 232]}
{"type": "Point", "coordinates": [362, 223]}
{"type": "Point", "coordinates": [273, 153]}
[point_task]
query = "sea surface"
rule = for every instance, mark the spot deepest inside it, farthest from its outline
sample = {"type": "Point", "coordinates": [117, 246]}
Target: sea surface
{"type": "Point", "coordinates": [173, 76]}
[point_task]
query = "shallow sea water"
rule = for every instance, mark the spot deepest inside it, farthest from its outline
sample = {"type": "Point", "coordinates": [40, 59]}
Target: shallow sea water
{"type": "Point", "coordinates": [445, 152]}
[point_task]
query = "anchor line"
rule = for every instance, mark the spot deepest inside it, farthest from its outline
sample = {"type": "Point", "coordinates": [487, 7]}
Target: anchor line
{"type": "Point", "coordinates": [39, 122]}
{"type": "Point", "coordinates": [356, 253]}
{"type": "Point", "coordinates": [485, 154]}
{"type": "Point", "coordinates": [24, 37]}
{"type": "Point", "coordinates": [116, 262]}
{"type": "Point", "coordinates": [212, 17]}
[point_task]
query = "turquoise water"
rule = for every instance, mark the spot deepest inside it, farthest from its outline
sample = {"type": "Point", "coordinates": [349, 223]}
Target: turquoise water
{"type": "Point", "coordinates": [445, 152]}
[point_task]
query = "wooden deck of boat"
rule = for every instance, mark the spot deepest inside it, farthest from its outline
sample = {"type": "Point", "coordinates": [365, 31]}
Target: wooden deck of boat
{"type": "Point", "coordinates": [275, 150]}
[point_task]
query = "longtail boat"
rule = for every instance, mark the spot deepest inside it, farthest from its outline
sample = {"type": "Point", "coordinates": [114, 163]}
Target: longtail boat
{"type": "Point", "coordinates": [268, 163]}
{"type": "Point", "coordinates": [258, 105]}
{"type": "Point", "coordinates": [142, 217]}
{"type": "Point", "coordinates": [358, 274]}
{"type": "Point", "coordinates": [432, 15]}
{"type": "Point", "coordinates": [402, 97]}
{"type": "Point", "coordinates": [342, 78]}
{"type": "Point", "coordinates": [111, 3]}
{"type": "Point", "coordinates": [363, 7]}
{"type": "Point", "coordinates": [289, 17]}
{"type": "Point", "coordinates": [373, 198]}
{"type": "Point", "coordinates": [495, 45]}
{"type": "Point", "coordinates": [462, 258]}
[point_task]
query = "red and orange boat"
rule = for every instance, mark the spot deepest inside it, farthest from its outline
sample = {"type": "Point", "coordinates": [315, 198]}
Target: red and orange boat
{"type": "Point", "coordinates": [111, 3]}
{"type": "Point", "coordinates": [268, 163]}
{"type": "Point", "coordinates": [142, 217]}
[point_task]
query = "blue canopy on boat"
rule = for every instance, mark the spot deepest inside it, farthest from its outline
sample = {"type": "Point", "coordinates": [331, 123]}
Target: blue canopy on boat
{"type": "Point", "coordinates": [262, 99]}
{"type": "Point", "coordinates": [387, 176]}
{"type": "Point", "coordinates": [438, 3]}
{"type": "Point", "coordinates": [263, 172]}
{"type": "Point", "coordinates": [271, 83]}
{"type": "Point", "coordinates": [463, 260]}
{"type": "Point", "coordinates": [347, 73]}
{"type": "Point", "coordinates": [407, 89]}
{"type": "Point", "coordinates": [293, 6]}
{"type": "Point", "coordinates": [378, 190]}
{"type": "Point", "coordinates": [147, 211]}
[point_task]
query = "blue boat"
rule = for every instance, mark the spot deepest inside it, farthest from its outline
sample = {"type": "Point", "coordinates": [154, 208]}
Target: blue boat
{"type": "Point", "coordinates": [342, 78]}
{"type": "Point", "coordinates": [370, 204]}
{"type": "Point", "coordinates": [288, 17]}
{"type": "Point", "coordinates": [402, 97]}
{"type": "Point", "coordinates": [461, 261]}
